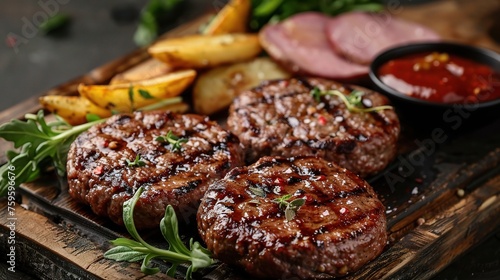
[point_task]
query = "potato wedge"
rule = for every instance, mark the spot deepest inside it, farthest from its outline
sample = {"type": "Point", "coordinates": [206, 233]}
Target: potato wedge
{"type": "Point", "coordinates": [233, 18]}
{"type": "Point", "coordinates": [215, 90]}
{"type": "Point", "coordinates": [116, 97]}
{"type": "Point", "coordinates": [202, 51]}
{"type": "Point", "coordinates": [181, 107]}
{"type": "Point", "coordinates": [146, 70]}
{"type": "Point", "coordinates": [73, 109]}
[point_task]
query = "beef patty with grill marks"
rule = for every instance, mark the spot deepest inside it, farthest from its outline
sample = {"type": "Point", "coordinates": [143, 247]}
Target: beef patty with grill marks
{"type": "Point", "coordinates": [282, 118]}
{"type": "Point", "coordinates": [110, 161]}
{"type": "Point", "coordinates": [340, 226]}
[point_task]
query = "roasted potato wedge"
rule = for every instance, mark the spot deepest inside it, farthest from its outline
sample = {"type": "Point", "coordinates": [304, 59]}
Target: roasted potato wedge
{"type": "Point", "coordinates": [181, 107]}
{"type": "Point", "coordinates": [73, 109]}
{"type": "Point", "coordinates": [146, 70]}
{"type": "Point", "coordinates": [215, 90]}
{"type": "Point", "coordinates": [202, 51]}
{"type": "Point", "coordinates": [233, 18]}
{"type": "Point", "coordinates": [116, 97]}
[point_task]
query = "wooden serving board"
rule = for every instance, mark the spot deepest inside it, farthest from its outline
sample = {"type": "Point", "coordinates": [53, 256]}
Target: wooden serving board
{"type": "Point", "coordinates": [442, 197]}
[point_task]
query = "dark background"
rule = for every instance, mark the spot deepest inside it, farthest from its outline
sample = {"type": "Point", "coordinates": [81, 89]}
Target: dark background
{"type": "Point", "coordinates": [101, 31]}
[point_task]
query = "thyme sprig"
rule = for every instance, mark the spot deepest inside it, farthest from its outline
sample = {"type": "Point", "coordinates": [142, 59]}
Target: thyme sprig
{"type": "Point", "coordinates": [139, 250]}
{"type": "Point", "coordinates": [138, 162]}
{"type": "Point", "coordinates": [290, 207]}
{"type": "Point", "coordinates": [353, 101]}
{"type": "Point", "coordinates": [173, 140]}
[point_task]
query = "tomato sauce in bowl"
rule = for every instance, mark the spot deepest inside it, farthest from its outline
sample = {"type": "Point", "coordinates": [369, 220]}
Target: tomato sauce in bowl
{"type": "Point", "coordinates": [441, 77]}
{"type": "Point", "coordinates": [439, 74]}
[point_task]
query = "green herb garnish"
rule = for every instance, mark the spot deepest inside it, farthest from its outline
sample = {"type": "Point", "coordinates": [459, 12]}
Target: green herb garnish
{"type": "Point", "coordinates": [54, 23]}
{"type": "Point", "coordinates": [291, 207]}
{"type": "Point", "coordinates": [92, 117]}
{"type": "Point", "coordinates": [138, 162]}
{"type": "Point", "coordinates": [172, 139]}
{"type": "Point", "coordinates": [38, 141]}
{"type": "Point", "coordinates": [270, 11]}
{"type": "Point", "coordinates": [155, 12]}
{"type": "Point", "coordinates": [353, 101]}
{"type": "Point", "coordinates": [257, 191]}
{"type": "Point", "coordinates": [138, 249]}
{"type": "Point", "coordinates": [144, 93]}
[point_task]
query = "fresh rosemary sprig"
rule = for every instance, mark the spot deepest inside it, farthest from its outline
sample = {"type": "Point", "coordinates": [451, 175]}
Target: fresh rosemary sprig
{"type": "Point", "coordinates": [138, 249]}
{"type": "Point", "coordinates": [291, 207]}
{"type": "Point", "coordinates": [37, 141]}
{"type": "Point", "coordinates": [173, 140]}
{"type": "Point", "coordinates": [353, 101]}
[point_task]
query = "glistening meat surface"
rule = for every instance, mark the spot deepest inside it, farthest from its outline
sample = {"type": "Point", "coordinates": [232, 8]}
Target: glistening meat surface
{"type": "Point", "coordinates": [339, 228]}
{"type": "Point", "coordinates": [283, 118]}
{"type": "Point", "coordinates": [100, 176]}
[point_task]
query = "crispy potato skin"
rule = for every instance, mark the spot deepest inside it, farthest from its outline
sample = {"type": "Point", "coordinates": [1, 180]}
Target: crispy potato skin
{"type": "Point", "coordinates": [215, 89]}
{"type": "Point", "coordinates": [205, 51]}
{"type": "Point", "coordinates": [73, 109]}
{"type": "Point", "coordinates": [146, 70]}
{"type": "Point", "coordinates": [116, 97]}
{"type": "Point", "coordinates": [233, 18]}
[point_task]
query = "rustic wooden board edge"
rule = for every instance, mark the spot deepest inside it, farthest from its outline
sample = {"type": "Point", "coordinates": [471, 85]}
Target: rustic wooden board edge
{"type": "Point", "coordinates": [51, 251]}
{"type": "Point", "coordinates": [439, 236]}
{"type": "Point", "coordinates": [95, 74]}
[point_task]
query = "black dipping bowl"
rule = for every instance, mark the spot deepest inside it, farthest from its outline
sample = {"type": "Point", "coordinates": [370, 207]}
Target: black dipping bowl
{"type": "Point", "coordinates": [477, 54]}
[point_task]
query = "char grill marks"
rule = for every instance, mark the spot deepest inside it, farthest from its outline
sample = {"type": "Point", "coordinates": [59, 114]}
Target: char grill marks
{"type": "Point", "coordinates": [177, 177]}
{"type": "Point", "coordinates": [341, 218]}
{"type": "Point", "coordinates": [282, 118]}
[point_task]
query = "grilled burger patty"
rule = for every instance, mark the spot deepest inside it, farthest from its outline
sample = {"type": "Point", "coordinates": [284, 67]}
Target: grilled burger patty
{"type": "Point", "coordinates": [340, 226]}
{"type": "Point", "coordinates": [99, 174]}
{"type": "Point", "coordinates": [282, 118]}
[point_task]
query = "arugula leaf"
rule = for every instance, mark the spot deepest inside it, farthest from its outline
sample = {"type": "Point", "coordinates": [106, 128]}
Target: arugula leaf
{"type": "Point", "coordinates": [39, 142]}
{"type": "Point", "coordinates": [55, 23]}
{"type": "Point", "coordinates": [124, 253]}
{"type": "Point", "coordinates": [138, 249]}
{"type": "Point", "coordinates": [155, 12]}
{"type": "Point", "coordinates": [269, 11]}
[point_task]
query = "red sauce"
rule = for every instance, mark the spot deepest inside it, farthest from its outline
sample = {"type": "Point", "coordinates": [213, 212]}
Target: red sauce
{"type": "Point", "coordinates": [442, 78]}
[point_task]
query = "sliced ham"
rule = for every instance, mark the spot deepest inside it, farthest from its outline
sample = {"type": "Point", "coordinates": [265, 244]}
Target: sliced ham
{"type": "Point", "coordinates": [360, 36]}
{"type": "Point", "coordinates": [300, 44]}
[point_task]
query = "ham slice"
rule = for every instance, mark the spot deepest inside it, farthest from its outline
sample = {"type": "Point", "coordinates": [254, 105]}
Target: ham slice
{"type": "Point", "coordinates": [300, 44]}
{"type": "Point", "coordinates": [360, 36]}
